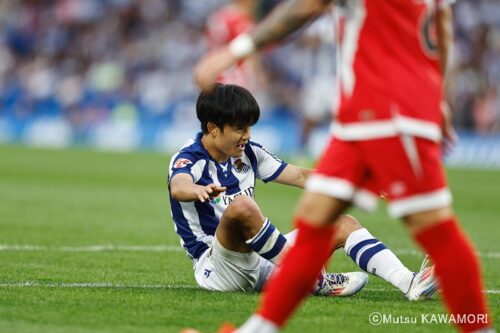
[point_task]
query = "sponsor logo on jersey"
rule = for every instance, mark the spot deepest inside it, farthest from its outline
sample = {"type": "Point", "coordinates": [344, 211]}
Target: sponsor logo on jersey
{"type": "Point", "coordinates": [216, 200]}
{"type": "Point", "coordinates": [181, 163]}
{"type": "Point", "coordinates": [241, 167]}
{"type": "Point", "coordinates": [227, 199]}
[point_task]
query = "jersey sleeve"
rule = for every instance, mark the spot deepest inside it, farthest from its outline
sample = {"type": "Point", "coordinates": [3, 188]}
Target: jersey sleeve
{"type": "Point", "coordinates": [269, 166]}
{"type": "Point", "coordinates": [184, 162]}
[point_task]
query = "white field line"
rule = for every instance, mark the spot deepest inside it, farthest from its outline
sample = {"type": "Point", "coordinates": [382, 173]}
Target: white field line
{"type": "Point", "coordinates": [162, 248]}
{"type": "Point", "coordinates": [92, 285]}
{"type": "Point", "coordinates": [488, 291]}
{"type": "Point", "coordinates": [91, 248]}
{"type": "Point", "coordinates": [103, 285]}
{"type": "Point", "coordinates": [156, 248]}
{"type": "Point", "coordinates": [488, 255]}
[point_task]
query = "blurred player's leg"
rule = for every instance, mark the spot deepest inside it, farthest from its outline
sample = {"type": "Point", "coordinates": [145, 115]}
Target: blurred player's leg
{"type": "Point", "coordinates": [409, 169]}
{"type": "Point", "coordinates": [457, 269]}
{"type": "Point", "coordinates": [297, 274]}
{"type": "Point", "coordinates": [335, 284]}
{"type": "Point", "coordinates": [372, 256]}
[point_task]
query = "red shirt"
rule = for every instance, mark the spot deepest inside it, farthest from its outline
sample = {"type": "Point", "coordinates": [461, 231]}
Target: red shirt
{"type": "Point", "coordinates": [389, 71]}
{"type": "Point", "coordinates": [223, 26]}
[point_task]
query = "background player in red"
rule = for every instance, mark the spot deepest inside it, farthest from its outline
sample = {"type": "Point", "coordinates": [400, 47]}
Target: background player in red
{"type": "Point", "coordinates": [223, 26]}
{"type": "Point", "coordinates": [387, 138]}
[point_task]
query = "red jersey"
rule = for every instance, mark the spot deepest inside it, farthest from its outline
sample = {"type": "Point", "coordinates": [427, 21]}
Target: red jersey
{"type": "Point", "coordinates": [223, 26]}
{"type": "Point", "coordinates": [389, 71]}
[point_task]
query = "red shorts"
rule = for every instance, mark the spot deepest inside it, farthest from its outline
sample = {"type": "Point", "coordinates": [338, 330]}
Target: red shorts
{"type": "Point", "coordinates": [405, 170]}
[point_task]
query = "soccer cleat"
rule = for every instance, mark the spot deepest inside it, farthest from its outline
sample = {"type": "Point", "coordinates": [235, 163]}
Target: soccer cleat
{"type": "Point", "coordinates": [341, 284]}
{"type": "Point", "coordinates": [424, 284]}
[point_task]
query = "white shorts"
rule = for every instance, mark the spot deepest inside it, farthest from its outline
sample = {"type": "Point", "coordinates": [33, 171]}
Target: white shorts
{"type": "Point", "coordinates": [220, 269]}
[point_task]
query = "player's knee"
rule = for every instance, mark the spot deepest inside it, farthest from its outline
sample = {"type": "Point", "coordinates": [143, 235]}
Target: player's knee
{"type": "Point", "coordinates": [346, 224]}
{"type": "Point", "coordinates": [242, 208]}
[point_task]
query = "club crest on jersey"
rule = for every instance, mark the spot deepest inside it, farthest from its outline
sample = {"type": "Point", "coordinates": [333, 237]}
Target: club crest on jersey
{"type": "Point", "coordinates": [181, 163]}
{"type": "Point", "coordinates": [241, 167]}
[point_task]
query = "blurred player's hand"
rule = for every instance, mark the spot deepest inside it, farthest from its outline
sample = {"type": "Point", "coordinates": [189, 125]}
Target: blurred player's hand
{"type": "Point", "coordinates": [209, 191]}
{"type": "Point", "coordinates": [450, 137]}
{"type": "Point", "coordinates": [205, 73]}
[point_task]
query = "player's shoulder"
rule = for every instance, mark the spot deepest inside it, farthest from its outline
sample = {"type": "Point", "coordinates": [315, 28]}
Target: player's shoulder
{"type": "Point", "coordinates": [191, 150]}
{"type": "Point", "coordinates": [255, 148]}
{"type": "Point", "coordinates": [254, 144]}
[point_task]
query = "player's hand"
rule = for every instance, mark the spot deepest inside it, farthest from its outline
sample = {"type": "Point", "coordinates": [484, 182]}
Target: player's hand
{"type": "Point", "coordinates": [450, 137]}
{"type": "Point", "coordinates": [209, 191]}
{"type": "Point", "coordinates": [212, 65]}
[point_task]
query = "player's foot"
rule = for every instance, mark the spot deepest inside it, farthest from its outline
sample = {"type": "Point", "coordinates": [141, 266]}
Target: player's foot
{"type": "Point", "coordinates": [225, 328]}
{"type": "Point", "coordinates": [342, 284]}
{"type": "Point", "coordinates": [424, 284]}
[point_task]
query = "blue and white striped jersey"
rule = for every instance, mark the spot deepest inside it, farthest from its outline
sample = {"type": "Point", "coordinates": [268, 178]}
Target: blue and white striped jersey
{"type": "Point", "coordinates": [195, 222]}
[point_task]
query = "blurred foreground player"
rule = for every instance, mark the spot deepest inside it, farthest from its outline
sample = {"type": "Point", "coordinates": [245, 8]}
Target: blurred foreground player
{"type": "Point", "coordinates": [387, 138]}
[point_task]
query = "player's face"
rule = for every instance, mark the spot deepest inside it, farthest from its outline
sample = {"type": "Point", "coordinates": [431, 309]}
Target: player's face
{"type": "Point", "coordinates": [232, 140]}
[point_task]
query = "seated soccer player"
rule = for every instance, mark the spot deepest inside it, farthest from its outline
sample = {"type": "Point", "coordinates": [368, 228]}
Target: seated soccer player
{"type": "Point", "coordinates": [234, 247]}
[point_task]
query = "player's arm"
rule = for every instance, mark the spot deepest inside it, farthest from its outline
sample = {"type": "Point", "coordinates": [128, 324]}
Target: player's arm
{"type": "Point", "coordinates": [444, 34]}
{"type": "Point", "coordinates": [182, 188]}
{"type": "Point", "coordinates": [294, 176]}
{"type": "Point", "coordinates": [445, 37]}
{"type": "Point", "coordinates": [285, 19]}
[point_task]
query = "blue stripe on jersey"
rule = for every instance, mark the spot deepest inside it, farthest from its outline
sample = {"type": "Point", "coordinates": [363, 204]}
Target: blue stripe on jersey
{"type": "Point", "coordinates": [228, 179]}
{"type": "Point", "coordinates": [251, 154]}
{"type": "Point", "coordinates": [207, 217]}
{"type": "Point", "coordinates": [276, 173]}
{"type": "Point", "coordinates": [194, 247]}
{"type": "Point", "coordinates": [354, 251]}
{"type": "Point", "coordinates": [368, 254]}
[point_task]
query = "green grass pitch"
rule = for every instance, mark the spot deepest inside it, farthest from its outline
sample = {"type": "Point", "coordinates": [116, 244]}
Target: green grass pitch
{"type": "Point", "coordinates": [87, 245]}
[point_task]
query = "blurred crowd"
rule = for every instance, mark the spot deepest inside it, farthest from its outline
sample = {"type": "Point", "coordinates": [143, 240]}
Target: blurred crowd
{"type": "Point", "coordinates": [88, 61]}
{"type": "Point", "coordinates": [475, 74]}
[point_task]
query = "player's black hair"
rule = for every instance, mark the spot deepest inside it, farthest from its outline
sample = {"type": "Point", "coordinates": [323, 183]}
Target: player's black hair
{"type": "Point", "coordinates": [227, 104]}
